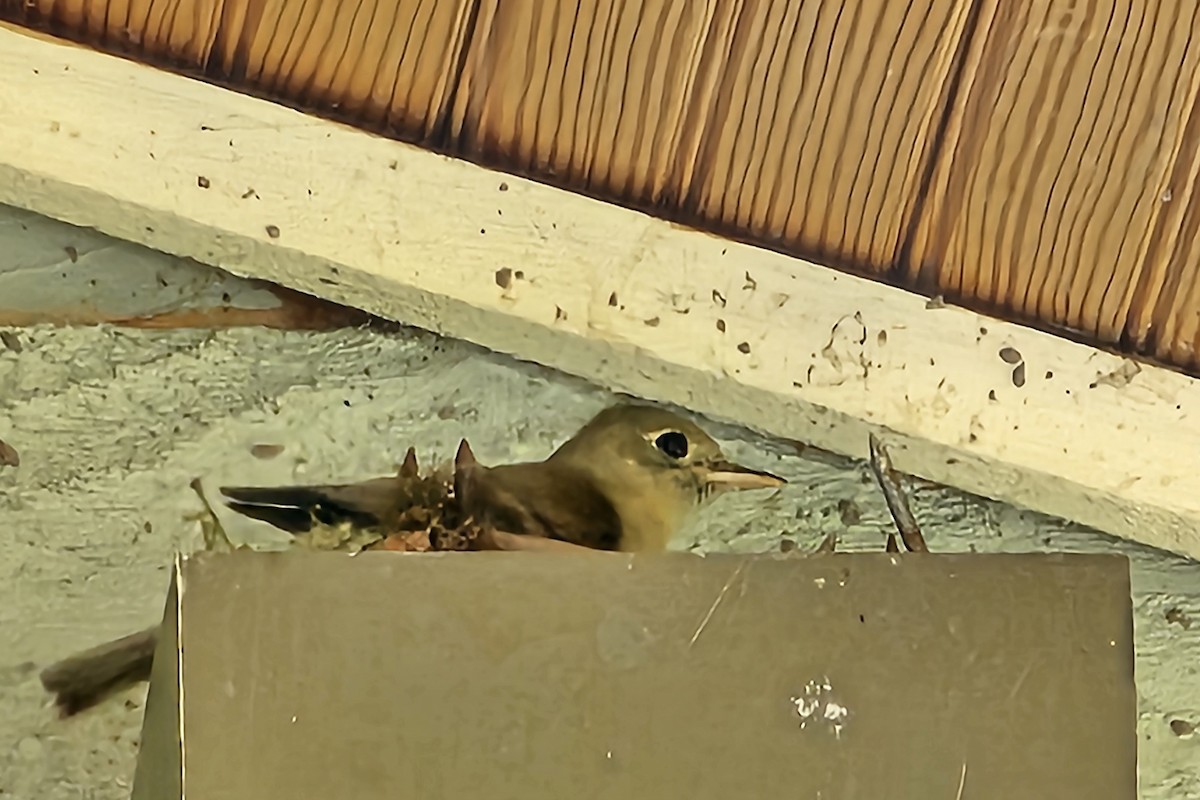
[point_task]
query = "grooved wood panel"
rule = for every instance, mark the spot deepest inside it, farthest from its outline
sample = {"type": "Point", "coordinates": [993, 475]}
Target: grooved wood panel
{"type": "Point", "coordinates": [389, 65]}
{"type": "Point", "coordinates": [1060, 164]}
{"type": "Point", "coordinates": [1165, 318]}
{"type": "Point", "coordinates": [735, 114]}
{"type": "Point", "coordinates": [1032, 158]}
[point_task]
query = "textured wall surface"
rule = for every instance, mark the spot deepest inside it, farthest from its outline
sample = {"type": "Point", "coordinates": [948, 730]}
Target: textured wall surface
{"type": "Point", "coordinates": [111, 425]}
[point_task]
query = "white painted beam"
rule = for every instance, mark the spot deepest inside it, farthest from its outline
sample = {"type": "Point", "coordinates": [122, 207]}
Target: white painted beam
{"type": "Point", "coordinates": [613, 295]}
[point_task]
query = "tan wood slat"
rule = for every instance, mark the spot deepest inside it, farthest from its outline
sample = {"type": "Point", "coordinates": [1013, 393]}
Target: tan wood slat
{"type": "Point", "coordinates": [287, 44]}
{"type": "Point", "coordinates": [95, 19]}
{"type": "Point", "coordinates": [1061, 159]}
{"type": "Point", "coordinates": [1161, 292]}
{"type": "Point", "coordinates": [592, 93]}
{"type": "Point", "coordinates": [389, 41]}
{"type": "Point", "coordinates": [465, 110]}
{"type": "Point", "coordinates": [235, 17]}
{"type": "Point", "coordinates": [110, 23]}
{"type": "Point", "coordinates": [1181, 340]}
{"type": "Point", "coordinates": [705, 82]}
{"type": "Point", "coordinates": [341, 28]}
{"type": "Point", "coordinates": [842, 96]}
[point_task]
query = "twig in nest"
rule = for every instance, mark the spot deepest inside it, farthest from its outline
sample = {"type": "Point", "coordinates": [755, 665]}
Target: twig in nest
{"type": "Point", "coordinates": [215, 538]}
{"type": "Point", "coordinates": [828, 544]}
{"type": "Point", "coordinates": [897, 500]}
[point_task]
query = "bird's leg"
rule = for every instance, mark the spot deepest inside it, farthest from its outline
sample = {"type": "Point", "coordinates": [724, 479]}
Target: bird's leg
{"type": "Point", "coordinates": [897, 500]}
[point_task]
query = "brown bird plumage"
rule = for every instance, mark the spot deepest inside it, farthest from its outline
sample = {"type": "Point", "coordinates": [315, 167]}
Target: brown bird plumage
{"type": "Point", "coordinates": [627, 480]}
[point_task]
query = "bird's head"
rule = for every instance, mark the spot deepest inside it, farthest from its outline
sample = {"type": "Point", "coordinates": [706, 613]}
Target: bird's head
{"type": "Point", "coordinates": [642, 450]}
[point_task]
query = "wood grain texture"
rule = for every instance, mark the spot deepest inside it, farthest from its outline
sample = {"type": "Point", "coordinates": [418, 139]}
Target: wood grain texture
{"type": "Point", "coordinates": [383, 64]}
{"type": "Point", "coordinates": [821, 123]}
{"type": "Point", "coordinates": [378, 63]}
{"type": "Point", "coordinates": [735, 114]}
{"type": "Point", "coordinates": [595, 94]}
{"type": "Point", "coordinates": [1165, 313]}
{"type": "Point", "coordinates": [1064, 163]}
{"type": "Point", "coordinates": [1034, 159]}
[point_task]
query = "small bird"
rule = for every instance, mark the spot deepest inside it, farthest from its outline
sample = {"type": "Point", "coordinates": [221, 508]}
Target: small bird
{"type": "Point", "coordinates": [628, 481]}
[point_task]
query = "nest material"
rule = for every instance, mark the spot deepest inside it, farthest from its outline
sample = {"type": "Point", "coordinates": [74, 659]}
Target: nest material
{"type": "Point", "coordinates": [880, 461]}
{"type": "Point", "coordinates": [427, 510]}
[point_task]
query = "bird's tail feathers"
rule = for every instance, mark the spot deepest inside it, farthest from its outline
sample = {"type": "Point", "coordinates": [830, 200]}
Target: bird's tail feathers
{"type": "Point", "coordinates": [296, 509]}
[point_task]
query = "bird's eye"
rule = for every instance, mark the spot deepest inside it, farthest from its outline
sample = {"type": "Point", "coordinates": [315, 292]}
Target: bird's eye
{"type": "Point", "coordinates": [673, 444]}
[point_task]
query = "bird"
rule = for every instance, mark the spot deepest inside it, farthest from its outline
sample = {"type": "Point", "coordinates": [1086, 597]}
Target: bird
{"type": "Point", "coordinates": [627, 481]}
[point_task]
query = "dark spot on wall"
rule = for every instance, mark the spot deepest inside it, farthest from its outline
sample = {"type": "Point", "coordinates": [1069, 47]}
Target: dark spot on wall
{"type": "Point", "coordinates": [1018, 375]}
{"type": "Point", "coordinates": [1010, 355]}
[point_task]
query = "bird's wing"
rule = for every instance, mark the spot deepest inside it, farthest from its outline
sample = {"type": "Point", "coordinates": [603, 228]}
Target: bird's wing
{"type": "Point", "coordinates": [530, 499]}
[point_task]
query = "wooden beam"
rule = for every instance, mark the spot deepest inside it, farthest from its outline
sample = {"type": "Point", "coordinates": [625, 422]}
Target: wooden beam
{"type": "Point", "coordinates": [629, 301]}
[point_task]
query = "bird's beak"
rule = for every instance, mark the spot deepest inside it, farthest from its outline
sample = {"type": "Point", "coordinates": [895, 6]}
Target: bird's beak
{"type": "Point", "coordinates": [722, 475]}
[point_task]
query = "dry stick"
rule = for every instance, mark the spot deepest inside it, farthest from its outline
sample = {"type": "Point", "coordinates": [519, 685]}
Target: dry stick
{"type": "Point", "coordinates": [216, 540]}
{"type": "Point", "coordinates": [897, 500]}
{"type": "Point", "coordinates": [828, 544]}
